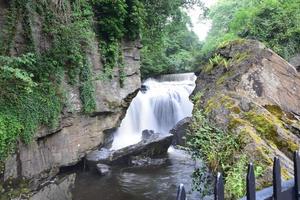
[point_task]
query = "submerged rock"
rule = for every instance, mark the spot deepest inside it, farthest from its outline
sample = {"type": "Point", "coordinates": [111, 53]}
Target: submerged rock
{"type": "Point", "coordinates": [140, 161]}
{"type": "Point", "coordinates": [103, 169]}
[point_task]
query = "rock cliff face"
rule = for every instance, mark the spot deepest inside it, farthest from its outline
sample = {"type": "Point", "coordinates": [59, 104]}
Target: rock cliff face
{"type": "Point", "coordinates": [254, 94]}
{"type": "Point", "coordinates": [77, 133]}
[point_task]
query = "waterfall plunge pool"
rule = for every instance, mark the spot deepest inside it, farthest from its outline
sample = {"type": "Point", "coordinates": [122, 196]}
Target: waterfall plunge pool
{"type": "Point", "coordinates": [164, 103]}
{"type": "Point", "coordinates": [151, 183]}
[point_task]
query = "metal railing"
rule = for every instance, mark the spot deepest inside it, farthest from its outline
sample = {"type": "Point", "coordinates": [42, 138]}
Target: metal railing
{"type": "Point", "coordinates": [291, 192]}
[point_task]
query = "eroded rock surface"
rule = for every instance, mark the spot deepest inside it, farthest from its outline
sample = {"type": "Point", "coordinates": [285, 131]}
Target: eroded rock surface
{"type": "Point", "coordinates": [147, 148]}
{"type": "Point", "coordinates": [152, 147]}
{"type": "Point", "coordinates": [58, 190]}
{"type": "Point", "coordinates": [255, 94]}
{"type": "Point", "coordinates": [180, 131]}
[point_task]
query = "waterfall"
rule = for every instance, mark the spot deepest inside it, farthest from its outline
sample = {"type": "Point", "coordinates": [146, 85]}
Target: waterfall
{"type": "Point", "coordinates": [159, 106]}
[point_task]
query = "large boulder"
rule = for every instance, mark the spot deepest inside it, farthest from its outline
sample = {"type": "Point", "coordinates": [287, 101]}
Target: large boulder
{"type": "Point", "coordinates": [148, 148]}
{"type": "Point", "coordinates": [155, 146]}
{"type": "Point", "coordinates": [103, 169]}
{"type": "Point", "coordinates": [254, 94]}
{"type": "Point", "coordinates": [180, 131]}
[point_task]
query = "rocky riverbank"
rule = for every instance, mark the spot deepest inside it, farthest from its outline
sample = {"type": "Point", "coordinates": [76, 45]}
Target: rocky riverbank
{"type": "Point", "coordinates": [254, 95]}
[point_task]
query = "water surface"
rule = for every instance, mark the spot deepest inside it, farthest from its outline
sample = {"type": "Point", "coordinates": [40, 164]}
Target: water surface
{"type": "Point", "coordinates": [139, 183]}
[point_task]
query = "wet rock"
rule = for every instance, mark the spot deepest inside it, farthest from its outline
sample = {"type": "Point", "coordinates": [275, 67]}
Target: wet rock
{"type": "Point", "coordinates": [149, 134]}
{"type": "Point", "coordinates": [144, 88]}
{"type": "Point", "coordinates": [139, 161]}
{"type": "Point", "coordinates": [149, 148]}
{"type": "Point", "coordinates": [103, 169]}
{"type": "Point", "coordinates": [180, 131]}
{"type": "Point", "coordinates": [99, 156]}
{"type": "Point", "coordinates": [57, 190]}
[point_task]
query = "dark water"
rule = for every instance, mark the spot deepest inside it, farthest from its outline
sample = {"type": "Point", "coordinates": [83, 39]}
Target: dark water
{"type": "Point", "coordinates": [139, 184]}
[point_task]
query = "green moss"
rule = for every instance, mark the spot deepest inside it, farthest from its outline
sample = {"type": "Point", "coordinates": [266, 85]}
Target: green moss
{"type": "Point", "coordinates": [236, 122]}
{"type": "Point", "coordinates": [14, 189]}
{"type": "Point", "coordinates": [240, 57]}
{"type": "Point", "coordinates": [263, 125]}
{"type": "Point", "coordinates": [236, 110]}
{"type": "Point", "coordinates": [219, 100]}
{"type": "Point", "coordinates": [210, 105]}
{"type": "Point", "coordinates": [223, 78]}
{"type": "Point", "coordinates": [267, 127]}
{"type": "Point", "coordinates": [275, 110]}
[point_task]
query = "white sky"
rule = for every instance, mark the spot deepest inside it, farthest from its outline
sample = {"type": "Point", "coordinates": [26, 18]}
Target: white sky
{"type": "Point", "coordinates": [201, 28]}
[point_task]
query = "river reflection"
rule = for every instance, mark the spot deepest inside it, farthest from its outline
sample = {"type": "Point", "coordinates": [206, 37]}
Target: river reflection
{"type": "Point", "coordinates": [139, 183]}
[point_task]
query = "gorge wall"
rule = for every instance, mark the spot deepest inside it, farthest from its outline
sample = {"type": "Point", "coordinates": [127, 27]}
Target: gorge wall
{"type": "Point", "coordinates": [77, 133]}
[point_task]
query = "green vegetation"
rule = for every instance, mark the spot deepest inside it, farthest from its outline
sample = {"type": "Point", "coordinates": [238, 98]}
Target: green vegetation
{"type": "Point", "coordinates": [211, 143]}
{"type": "Point", "coordinates": [168, 44]}
{"type": "Point", "coordinates": [225, 150]}
{"type": "Point", "coordinates": [14, 189]}
{"type": "Point", "coordinates": [217, 149]}
{"type": "Point", "coordinates": [32, 75]}
{"type": "Point", "coordinates": [215, 61]}
{"type": "Point", "coordinates": [274, 22]}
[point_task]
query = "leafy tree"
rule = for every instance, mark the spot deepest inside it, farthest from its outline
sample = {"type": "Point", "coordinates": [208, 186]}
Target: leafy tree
{"type": "Point", "coordinates": [274, 22]}
{"type": "Point", "coordinates": [172, 50]}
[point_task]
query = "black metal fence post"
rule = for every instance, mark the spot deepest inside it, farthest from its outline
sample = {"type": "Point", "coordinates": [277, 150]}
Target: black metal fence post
{"type": "Point", "coordinates": [297, 174]}
{"type": "Point", "coordinates": [251, 191]}
{"type": "Point", "coordinates": [276, 179]}
{"type": "Point", "coordinates": [181, 195]}
{"type": "Point", "coordinates": [219, 187]}
{"type": "Point", "coordinates": [288, 193]}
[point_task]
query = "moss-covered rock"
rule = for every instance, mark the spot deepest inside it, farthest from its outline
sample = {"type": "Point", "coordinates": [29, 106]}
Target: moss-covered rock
{"type": "Point", "coordinates": [256, 98]}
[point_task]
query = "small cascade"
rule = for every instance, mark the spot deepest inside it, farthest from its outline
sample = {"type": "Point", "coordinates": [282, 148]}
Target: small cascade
{"type": "Point", "coordinates": [159, 106]}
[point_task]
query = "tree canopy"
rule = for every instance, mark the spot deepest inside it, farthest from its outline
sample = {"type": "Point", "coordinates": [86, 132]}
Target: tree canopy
{"type": "Point", "coordinates": [274, 22]}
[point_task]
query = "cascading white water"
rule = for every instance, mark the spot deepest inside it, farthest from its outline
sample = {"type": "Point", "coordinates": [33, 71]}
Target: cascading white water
{"type": "Point", "coordinates": [159, 108]}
